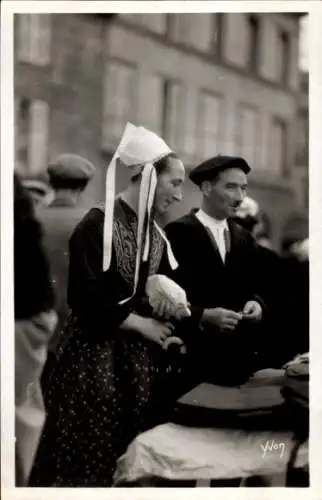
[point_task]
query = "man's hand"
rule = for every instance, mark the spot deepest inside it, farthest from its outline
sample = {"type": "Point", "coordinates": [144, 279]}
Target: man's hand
{"type": "Point", "coordinates": [225, 319]}
{"type": "Point", "coordinates": [252, 311]}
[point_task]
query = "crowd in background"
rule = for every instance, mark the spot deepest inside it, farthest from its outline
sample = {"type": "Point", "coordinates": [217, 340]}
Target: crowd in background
{"type": "Point", "coordinates": [45, 220]}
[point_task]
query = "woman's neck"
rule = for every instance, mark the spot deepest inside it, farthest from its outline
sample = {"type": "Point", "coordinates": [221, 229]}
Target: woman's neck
{"type": "Point", "coordinates": [131, 197]}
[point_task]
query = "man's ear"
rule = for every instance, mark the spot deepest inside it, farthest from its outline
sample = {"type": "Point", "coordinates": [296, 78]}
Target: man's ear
{"type": "Point", "coordinates": [206, 188]}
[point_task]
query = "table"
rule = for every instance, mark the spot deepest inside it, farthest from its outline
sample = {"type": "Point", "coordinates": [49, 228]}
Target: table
{"type": "Point", "coordinates": [175, 452]}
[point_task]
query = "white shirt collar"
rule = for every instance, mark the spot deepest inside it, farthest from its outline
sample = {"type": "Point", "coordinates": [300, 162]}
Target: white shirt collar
{"type": "Point", "coordinates": [211, 222]}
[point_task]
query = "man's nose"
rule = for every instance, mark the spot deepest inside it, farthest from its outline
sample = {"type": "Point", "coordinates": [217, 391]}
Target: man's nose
{"type": "Point", "coordinates": [239, 195]}
{"type": "Point", "coordinates": [178, 195]}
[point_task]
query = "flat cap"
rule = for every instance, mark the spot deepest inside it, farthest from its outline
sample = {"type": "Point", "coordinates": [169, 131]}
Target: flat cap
{"type": "Point", "coordinates": [209, 169]}
{"type": "Point", "coordinates": [71, 167]}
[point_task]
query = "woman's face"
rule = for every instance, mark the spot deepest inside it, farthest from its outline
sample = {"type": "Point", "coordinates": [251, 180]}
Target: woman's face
{"type": "Point", "coordinates": [169, 187]}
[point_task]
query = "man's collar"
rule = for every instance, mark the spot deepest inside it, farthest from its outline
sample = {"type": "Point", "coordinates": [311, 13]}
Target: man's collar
{"type": "Point", "coordinates": [208, 220]}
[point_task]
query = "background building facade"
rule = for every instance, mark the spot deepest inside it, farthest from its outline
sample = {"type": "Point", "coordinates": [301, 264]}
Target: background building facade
{"type": "Point", "coordinates": [209, 83]}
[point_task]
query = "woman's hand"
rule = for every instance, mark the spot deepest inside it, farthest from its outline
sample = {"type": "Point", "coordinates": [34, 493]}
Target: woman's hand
{"type": "Point", "coordinates": [155, 330]}
{"type": "Point", "coordinates": [167, 298]}
{"type": "Point", "coordinates": [166, 309]}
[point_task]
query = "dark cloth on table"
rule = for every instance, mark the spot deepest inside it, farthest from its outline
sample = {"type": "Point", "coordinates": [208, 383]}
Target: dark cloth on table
{"type": "Point", "coordinates": [102, 391]}
{"type": "Point", "coordinates": [222, 358]}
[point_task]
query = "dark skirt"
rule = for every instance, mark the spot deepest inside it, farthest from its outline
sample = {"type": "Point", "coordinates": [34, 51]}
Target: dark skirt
{"type": "Point", "coordinates": [100, 396]}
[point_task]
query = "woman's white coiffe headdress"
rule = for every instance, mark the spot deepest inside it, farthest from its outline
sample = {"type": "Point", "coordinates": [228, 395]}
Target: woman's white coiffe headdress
{"type": "Point", "coordinates": [138, 149]}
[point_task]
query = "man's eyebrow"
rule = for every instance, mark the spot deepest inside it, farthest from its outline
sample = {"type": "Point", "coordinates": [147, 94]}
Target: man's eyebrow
{"type": "Point", "coordinates": [230, 183]}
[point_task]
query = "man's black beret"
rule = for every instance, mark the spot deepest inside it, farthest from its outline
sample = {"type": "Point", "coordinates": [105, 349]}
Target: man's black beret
{"type": "Point", "coordinates": [209, 169]}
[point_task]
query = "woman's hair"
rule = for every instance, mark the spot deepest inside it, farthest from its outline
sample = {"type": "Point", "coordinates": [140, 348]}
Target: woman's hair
{"type": "Point", "coordinates": [160, 166]}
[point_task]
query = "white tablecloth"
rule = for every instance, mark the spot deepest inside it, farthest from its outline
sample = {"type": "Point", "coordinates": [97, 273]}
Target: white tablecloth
{"type": "Point", "coordinates": [175, 452]}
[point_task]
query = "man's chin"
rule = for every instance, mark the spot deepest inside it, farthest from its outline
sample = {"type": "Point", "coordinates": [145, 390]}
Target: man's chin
{"type": "Point", "coordinates": [232, 211]}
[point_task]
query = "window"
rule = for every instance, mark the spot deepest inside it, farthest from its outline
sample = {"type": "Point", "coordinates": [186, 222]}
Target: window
{"type": "Point", "coordinates": [193, 30]}
{"type": "Point", "coordinates": [248, 134]}
{"type": "Point", "coordinates": [155, 22]}
{"type": "Point", "coordinates": [218, 34]}
{"type": "Point", "coordinates": [278, 146]}
{"type": "Point", "coordinates": [33, 39]}
{"type": "Point", "coordinates": [173, 115]}
{"type": "Point", "coordinates": [209, 124]}
{"type": "Point", "coordinates": [303, 138]}
{"type": "Point", "coordinates": [253, 43]}
{"type": "Point", "coordinates": [154, 93]}
{"type": "Point", "coordinates": [31, 135]}
{"type": "Point", "coordinates": [118, 101]}
{"type": "Point", "coordinates": [179, 27]}
{"type": "Point", "coordinates": [201, 33]}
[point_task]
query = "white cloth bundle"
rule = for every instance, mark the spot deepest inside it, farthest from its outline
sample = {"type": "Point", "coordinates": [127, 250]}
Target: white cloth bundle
{"type": "Point", "coordinates": [301, 250]}
{"type": "Point", "coordinates": [300, 358]}
{"type": "Point", "coordinates": [248, 207]}
{"type": "Point", "coordinates": [166, 296]}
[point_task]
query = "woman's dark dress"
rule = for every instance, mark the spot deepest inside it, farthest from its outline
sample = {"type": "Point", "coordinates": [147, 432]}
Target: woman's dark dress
{"type": "Point", "coordinates": [101, 391]}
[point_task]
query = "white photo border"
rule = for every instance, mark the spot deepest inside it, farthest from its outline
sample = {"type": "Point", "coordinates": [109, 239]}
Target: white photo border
{"type": "Point", "coordinates": [8, 8]}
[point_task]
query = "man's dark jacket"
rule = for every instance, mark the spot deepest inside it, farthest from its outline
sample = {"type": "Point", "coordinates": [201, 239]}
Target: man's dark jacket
{"type": "Point", "coordinates": [228, 357]}
{"type": "Point", "coordinates": [58, 221]}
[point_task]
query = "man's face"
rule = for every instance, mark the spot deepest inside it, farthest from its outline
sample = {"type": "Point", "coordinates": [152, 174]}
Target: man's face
{"type": "Point", "coordinates": [225, 193]}
{"type": "Point", "coordinates": [169, 187]}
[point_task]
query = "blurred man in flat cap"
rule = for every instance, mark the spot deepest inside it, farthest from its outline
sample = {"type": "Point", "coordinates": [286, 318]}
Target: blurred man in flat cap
{"type": "Point", "coordinates": [219, 270]}
{"type": "Point", "coordinates": [40, 192]}
{"type": "Point", "coordinates": [69, 175]}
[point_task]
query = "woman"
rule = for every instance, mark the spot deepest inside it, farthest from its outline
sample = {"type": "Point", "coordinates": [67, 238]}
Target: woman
{"type": "Point", "coordinates": [101, 391]}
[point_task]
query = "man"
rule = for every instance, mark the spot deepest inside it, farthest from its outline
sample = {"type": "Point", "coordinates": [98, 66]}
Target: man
{"type": "Point", "coordinates": [69, 175]}
{"type": "Point", "coordinates": [219, 270]}
{"type": "Point", "coordinates": [39, 191]}
{"type": "Point", "coordinates": [273, 351]}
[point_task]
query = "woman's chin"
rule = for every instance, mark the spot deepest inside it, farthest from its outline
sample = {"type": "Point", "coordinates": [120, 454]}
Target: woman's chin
{"type": "Point", "coordinates": [160, 210]}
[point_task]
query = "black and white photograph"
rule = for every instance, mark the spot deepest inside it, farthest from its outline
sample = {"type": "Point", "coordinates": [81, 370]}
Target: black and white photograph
{"type": "Point", "coordinates": [160, 246]}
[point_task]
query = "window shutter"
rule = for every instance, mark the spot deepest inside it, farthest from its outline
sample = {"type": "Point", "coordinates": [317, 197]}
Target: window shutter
{"type": "Point", "coordinates": [248, 135]}
{"type": "Point", "coordinates": [23, 37]}
{"type": "Point", "coordinates": [153, 90]}
{"type": "Point", "coordinates": [38, 136]}
{"type": "Point", "coordinates": [209, 111]}
{"type": "Point", "coordinates": [44, 39]}
{"type": "Point", "coordinates": [119, 101]}
{"type": "Point", "coordinates": [175, 122]}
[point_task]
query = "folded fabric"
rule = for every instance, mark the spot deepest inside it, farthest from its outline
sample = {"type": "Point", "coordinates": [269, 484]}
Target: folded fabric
{"type": "Point", "coordinates": [296, 384]}
{"type": "Point", "coordinates": [299, 359]}
{"type": "Point", "coordinates": [162, 291]}
{"type": "Point", "coordinates": [31, 341]}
